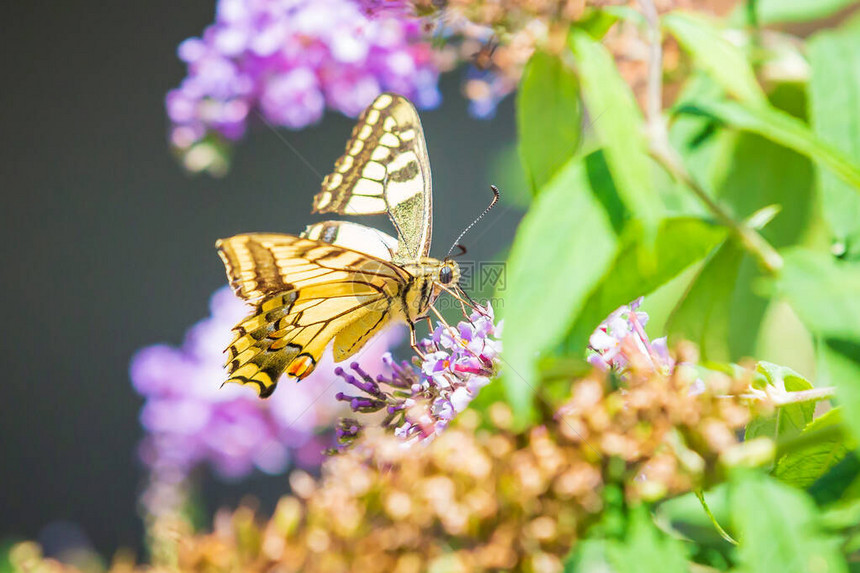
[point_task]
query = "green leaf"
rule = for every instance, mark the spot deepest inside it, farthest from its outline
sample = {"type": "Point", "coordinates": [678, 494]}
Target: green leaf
{"type": "Point", "coordinates": [703, 314]}
{"type": "Point", "coordinates": [800, 468]}
{"type": "Point", "coordinates": [597, 22]}
{"type": "Point", "coordinates": [839, 361]}
{"type": "Point", "coordinates": [590, 555]}
{"type": "Point", "coordinates": [646, 549]}
{"type": "Point", "coordinates": [834, 90]}
{"type": "Point", "coordinates": [823, 291]}
{"type": "Point", "coordinates": [774, 11]}
{"type": "Point", "coordinates": [562, 248]}
{"type": "Point", "coordinates": [778, 528]}
{"type": "Point", "coordinates": [781, 128]}
{"type": "Point", "coordinates": [698, 138]}
{"type": "Point", "coordinates": [619, 126]}
{"type": "Point", "coordinates": [637, 269]}
{"type": "Point", "coordinates": [549, 117]}
{"type": "Point", "coordinates": [724, 61]}
{"type": "Point", "coordinates": [841, 482]}
{"type": "Point", "coordinates": [789, 420]}
{"type": "Point", "coordinates": [759, 172]}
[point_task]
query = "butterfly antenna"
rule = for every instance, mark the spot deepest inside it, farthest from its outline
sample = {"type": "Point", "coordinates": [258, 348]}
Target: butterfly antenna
{"type": "Point", "coordinates": [492, 204]}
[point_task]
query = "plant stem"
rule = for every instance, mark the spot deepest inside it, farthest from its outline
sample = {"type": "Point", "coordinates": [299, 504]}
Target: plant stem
{"type": "Point", "coordinates": [752, 242]}
{"type": "Point", "coordinates": [655, 70]}
{"type": "Point", "coordinates": [666, 155]}
{"type": "Point", "coordinates": [723, 533]}
{"type": "Point", "coordinates": [813, 395]}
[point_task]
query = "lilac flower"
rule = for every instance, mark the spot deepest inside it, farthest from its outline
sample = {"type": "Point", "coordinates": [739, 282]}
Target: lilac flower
{"type": "Point", "coordinates": [288, 60]}
{"type": "Point", "coordinates": [190, 419]}
{"type": "Point", "coordinates": [418, 402]}
{"type": "Point", "coordinates": [621, 339]}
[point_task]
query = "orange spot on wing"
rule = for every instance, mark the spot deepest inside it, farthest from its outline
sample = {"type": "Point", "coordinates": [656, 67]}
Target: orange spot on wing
{"type": "Point", "coordinates": [301, 366]}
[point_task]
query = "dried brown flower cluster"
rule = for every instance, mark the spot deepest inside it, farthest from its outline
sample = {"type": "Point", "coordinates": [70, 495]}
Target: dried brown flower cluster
{"type": "Point", "coordinates": [484, 496]}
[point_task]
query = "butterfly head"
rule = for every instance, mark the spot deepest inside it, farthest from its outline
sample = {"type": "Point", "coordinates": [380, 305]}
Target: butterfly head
{"type": "Point", "coordinates": [449, 273]}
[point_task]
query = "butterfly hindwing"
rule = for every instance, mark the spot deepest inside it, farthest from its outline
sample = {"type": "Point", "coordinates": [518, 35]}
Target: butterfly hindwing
{"type": "Point", "coordinates": [306, 293]}
{"type": "Point", "coordinates": [385, 169]}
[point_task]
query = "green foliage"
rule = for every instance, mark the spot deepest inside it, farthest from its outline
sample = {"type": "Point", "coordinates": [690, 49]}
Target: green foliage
{"type": "Point", "coordinates": [702, 315]}
{"type": "Point", "coordinates": [773, 11]}
{"type": "Point", "coordinates": [802, 466]}
{"type": "Point", "coordinates": [563, 246]}
{"type": "Point", "coordinates": [680, 242]}
{"type": "Point", "coordinates": [835, 85]}
{"type": "Point", "coordinates": [783, 129]}
{"type": "Point", "coordinates": [823, 291]}
{"type": "Point", "coordinates": [646, 549]}
{"type": "Point", "coordinates": [748, 199]}
{"type": "Point", "coordinates": [643, 548]}
{"type": "Point", "coordinates": [722, 60]}
{"type": "Point", "coordinates": [548, 117]}
{"type": "Point", "coordinates": [618, 124]}
{"type": "Point", "coordinates": [778, 528]}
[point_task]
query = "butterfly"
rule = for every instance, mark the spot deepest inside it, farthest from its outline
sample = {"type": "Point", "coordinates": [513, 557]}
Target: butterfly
{"type": "Point", "coordinates": [340, 282]}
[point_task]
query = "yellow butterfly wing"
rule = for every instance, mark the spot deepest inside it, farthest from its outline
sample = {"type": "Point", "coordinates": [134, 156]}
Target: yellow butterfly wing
{"type": "Point", "coordinates": [385, 169]}
{"type": "Point", "coordinates": [355, 237]}
{"type": "Point", "coordinates": [306, 293]}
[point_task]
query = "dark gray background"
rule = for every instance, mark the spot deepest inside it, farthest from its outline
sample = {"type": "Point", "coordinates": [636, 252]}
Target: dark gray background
{"type": "Point", "coordinates": [107, 245]}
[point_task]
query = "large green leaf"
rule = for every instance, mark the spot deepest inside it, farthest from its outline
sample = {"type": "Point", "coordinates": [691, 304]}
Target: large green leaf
{"type": "Point", "coordinates": [638, 268]}
{"type": "Point", "coordinates": [703, 314]}
{"type": "Point", "coordinates": [802, 467]}
{"type": "Point", "coordinates": [839, 362]}
{"type": "Point", "coordinates": [646, 549]}
{"type": "Point", "coordinates": [759, 173]}
{"type": "Point", "coordinates": [589, 555]}
{"type": "Point", "coordinates": [781, 128]}
{"type": "Point", "coordinates": [823, 291]}
{"type": "Point", "coordinates": [778, 528]}
{"type": "Point", "coordinates": [789, 420]}
{"type": "Point", "coordinates": [562, 248]}
{"type": "Point", "coordinates": [724, 61]}
{"type": "Point", "coordinates": [549, 117]}
{"type": "Point", "coordinates": [774, 11]}
{"type": "Point", "coordinates": [842, 482]}
{"type": "Point", "coordinates": [834, 93]}
{"type": "Point", "coordinates": [618, 123]}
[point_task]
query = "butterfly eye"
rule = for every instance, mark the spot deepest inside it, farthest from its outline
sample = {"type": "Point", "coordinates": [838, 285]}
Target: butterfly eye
{"type": "Point", "coordinates": [445, 275]}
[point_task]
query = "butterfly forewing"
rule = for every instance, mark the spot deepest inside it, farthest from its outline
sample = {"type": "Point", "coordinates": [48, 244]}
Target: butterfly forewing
{"type": "Point", "coordinates": [385, 169]}
{"type": "Point", "coordinates": [306, 293]}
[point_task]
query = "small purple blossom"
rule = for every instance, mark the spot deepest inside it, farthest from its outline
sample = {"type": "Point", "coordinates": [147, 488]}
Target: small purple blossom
{"type": "Point", "coordinates": [289, 61]}
{"type": "Point", "coordinates": [621, 338]}
{"type": "Point", "coordinates": [190, 419]}
{"type": "Point", "coordinates": [418, 402]}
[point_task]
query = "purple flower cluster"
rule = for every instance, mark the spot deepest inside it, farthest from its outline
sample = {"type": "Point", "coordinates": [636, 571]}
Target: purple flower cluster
{"type": "Point", "coordinates": [190, 419]}
{"type": "Point", "coordinates": [621, 339]}
{"type": "Point", "coordinates": [289, 60]}
{"type": "Point", "coordinates": [418, 402]}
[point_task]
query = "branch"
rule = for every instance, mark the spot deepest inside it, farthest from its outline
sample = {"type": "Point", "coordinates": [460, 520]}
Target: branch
{"type": "Point", "coordinates": [665, 154]}
{"type": "Point", "coordinates": [654, 93]}
{"type": "Point", "coordinates": [752, 242]}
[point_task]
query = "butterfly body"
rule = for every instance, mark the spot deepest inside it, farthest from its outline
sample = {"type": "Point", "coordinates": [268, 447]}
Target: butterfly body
{"type": "Point", "coordinates": [340, 283]}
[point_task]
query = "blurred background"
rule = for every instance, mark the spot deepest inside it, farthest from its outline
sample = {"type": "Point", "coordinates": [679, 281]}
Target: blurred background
{"type": "Point", "coordinates": [108, 245]}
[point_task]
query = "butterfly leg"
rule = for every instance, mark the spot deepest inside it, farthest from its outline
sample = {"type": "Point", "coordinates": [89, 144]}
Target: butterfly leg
{"type": "Point", "coordinates": [413, 341]}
